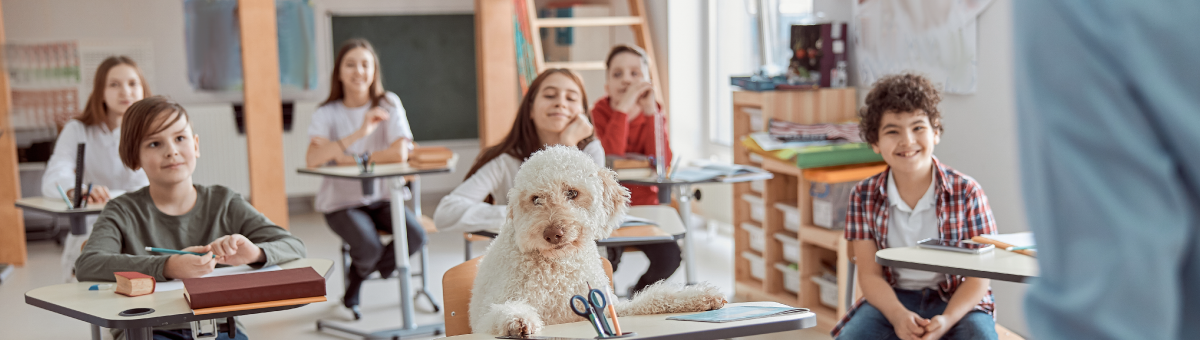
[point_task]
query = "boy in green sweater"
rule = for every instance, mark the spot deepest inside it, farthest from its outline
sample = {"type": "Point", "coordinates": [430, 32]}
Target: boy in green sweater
{"type": "Point", "coordinates": [173, 213]}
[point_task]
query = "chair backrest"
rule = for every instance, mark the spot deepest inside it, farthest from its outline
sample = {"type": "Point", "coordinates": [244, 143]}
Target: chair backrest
{"type": "Point", "coordinates": [456, 294]}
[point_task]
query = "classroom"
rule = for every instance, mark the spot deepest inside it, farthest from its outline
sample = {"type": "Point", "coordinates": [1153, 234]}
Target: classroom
{"type": "Point", "coordinates": [578, 169]}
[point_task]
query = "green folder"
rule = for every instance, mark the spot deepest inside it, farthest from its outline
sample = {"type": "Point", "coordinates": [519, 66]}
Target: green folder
{"type": "Point", "coordinates": [831, 155]}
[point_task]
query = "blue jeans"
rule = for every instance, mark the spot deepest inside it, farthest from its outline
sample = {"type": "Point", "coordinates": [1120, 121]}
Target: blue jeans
{"type": "Point", "coordinates": [869, 323]}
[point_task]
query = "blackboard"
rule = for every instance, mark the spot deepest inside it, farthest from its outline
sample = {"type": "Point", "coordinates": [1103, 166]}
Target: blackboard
{"type": "Point", "coordinates": [427, 60]}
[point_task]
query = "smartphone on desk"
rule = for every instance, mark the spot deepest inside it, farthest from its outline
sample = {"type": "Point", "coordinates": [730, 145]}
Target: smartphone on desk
{"type": "Point", "coordinates": [956, 245]}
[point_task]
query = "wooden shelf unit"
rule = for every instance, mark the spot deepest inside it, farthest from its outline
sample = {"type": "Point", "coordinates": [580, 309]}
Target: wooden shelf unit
{"type": "Point", "coordinates": [789, 185]}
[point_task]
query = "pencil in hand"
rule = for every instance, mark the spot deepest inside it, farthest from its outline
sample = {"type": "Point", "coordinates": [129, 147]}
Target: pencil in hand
{"type": "Point", "coordinates": [173, 251]}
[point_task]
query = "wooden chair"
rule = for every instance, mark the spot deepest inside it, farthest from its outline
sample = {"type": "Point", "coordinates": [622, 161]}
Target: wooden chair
{"type": "Point", "coordinates": [456, 294]}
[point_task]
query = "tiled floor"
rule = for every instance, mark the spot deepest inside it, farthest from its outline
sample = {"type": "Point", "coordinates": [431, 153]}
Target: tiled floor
{"type": "Point", "coordinates": [21, 321]}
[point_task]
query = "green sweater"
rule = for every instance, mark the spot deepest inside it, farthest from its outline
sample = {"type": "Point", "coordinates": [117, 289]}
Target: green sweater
{"type": "Point", "coordinates": [131, 222]}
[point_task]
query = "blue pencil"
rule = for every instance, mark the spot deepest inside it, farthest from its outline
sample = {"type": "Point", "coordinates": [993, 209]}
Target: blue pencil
{"type": "Point", "coordinates": [173, 251]}
{"type": "Point", "coordinates": [89, 194]}
{"type": "Point", "coordinates": [64, 196]}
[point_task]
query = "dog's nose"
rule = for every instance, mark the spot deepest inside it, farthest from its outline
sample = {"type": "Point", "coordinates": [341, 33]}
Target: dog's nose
{"type": "Point", "coordinates": [554, 234]}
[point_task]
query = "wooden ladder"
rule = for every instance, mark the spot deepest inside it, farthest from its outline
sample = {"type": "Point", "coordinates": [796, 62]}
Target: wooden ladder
{"type": "Point", "coordinates": [636, 20]}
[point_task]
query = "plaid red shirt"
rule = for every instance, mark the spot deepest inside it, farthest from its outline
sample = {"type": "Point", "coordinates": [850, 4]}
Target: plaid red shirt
{"type": "Point", "coordinates": [962, 213]}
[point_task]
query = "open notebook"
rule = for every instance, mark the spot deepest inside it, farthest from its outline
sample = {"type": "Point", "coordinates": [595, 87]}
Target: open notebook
{"type": "Point", "coordinates": [722, 172]}
{"type": "Point", "coordinates": [738, 313]}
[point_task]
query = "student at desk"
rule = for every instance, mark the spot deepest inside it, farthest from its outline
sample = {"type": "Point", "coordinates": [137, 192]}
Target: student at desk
{"type": "Point", "coordinates": [917, 197]}
{"type": "Point", "coordinates": [625, 123]}
{"type": "Point", "coordinates": [361, 117]}
{"type": "Point", "coordinates": [554, 111]}
{"type": "Point", "coordinates": [173, 213]}
{"type": "Point", "coordinates": [118, 83]}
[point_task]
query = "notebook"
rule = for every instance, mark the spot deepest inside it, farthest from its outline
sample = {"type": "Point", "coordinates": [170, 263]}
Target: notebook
{"type": "Point", "coordinates": [739, 313]}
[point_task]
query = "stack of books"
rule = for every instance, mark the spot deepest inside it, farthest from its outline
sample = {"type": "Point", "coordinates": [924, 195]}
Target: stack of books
{"type": "Point", "coordinates": [217, 294]}
{"type": "Point", "coordinates": [430, 157]}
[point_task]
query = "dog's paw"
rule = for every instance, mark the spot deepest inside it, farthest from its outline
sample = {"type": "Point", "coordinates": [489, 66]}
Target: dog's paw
{"type": "Point", "coordinates": [702, 297]}
{"type": "Point", "coordinates": [519, 327]}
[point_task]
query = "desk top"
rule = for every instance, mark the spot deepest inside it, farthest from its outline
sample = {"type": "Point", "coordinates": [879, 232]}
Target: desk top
{"type": "Point", "coordinates": [658, 327]}
{"type": "Point", "coordinates": [381, 170]}
{"type": "Point", "coordinates": [997, 264]}
{"type": "Point", "coordinates": [101, 307]}
{"type": "Point", "coordinates": [56, 205]}
{"type": "Point", "coordinates": [668, 221]}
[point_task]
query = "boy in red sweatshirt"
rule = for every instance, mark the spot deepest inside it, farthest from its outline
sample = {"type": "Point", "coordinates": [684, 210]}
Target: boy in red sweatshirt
{"type": "Point", "coordinates": [624, 121]}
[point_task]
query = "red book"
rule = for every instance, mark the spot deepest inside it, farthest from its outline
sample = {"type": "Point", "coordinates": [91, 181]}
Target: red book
{"type": "Point", "coordinates": [134, 283]}
{"type": "Point", "coordinates": [217, 291]}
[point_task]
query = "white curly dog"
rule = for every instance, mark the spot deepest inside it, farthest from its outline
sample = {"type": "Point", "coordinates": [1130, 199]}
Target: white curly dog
{"type": "Point", "coordinates": [560, 204]}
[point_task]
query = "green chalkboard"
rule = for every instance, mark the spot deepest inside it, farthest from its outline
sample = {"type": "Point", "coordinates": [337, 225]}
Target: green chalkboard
{"type": "Point", "coordinates": [427, 60]}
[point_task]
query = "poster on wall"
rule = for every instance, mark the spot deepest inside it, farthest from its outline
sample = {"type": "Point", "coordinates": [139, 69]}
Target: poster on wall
{"type": "Point", "coordinates": [214, 50]}
{"type": "Point", "coordinates": [937, 38]}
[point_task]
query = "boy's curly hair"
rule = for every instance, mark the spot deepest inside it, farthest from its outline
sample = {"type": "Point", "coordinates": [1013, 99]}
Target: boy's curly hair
{"type": "Point", "coordinates": [906, 92]}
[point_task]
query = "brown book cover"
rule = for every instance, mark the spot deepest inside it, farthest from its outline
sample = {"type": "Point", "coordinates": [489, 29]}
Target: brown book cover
{"type": "Point", "coordinates": [427, 165]}
{"type": "Point", "coordinates": [430, 154]}
{"type": "Point", "coordinates": [207, 292]}
{"type": "Point", "coordinates": [134, 283]}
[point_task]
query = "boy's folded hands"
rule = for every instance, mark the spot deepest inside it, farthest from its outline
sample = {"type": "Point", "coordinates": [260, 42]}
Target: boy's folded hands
{"type": "Point", "coordinates": [236, 250]}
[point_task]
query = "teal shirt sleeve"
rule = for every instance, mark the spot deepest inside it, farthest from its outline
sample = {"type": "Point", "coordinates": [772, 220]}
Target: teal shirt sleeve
{"type": "Point", "coordinates": [106, 251]}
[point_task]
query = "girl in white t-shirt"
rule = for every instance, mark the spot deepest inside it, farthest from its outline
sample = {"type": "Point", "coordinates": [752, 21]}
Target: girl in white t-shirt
{"type": "Point", "coordinates": [360, 117]}
{"type": "Point", "coordinates": [117, 85]}
{"type": "Point", "coordinates": [554, 111]}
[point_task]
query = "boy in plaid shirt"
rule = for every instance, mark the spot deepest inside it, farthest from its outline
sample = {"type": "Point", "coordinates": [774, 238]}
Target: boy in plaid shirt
{"type": "Point", "coordinates": [916, 198]}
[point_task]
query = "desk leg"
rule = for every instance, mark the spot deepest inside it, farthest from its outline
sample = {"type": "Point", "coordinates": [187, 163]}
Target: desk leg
{"type": "Point", "coordinates": [95, 332]}
{"type": "Point", "coordinates": [78, 224]}
{"type": "Point", "coordinates": [685, 213]}
{"type": "Point", "coordinates": [145, 333]}
{"type": "Point", "coordinates": [400, 242]}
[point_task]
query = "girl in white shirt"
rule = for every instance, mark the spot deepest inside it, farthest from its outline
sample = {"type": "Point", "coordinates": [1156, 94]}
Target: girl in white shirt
{"type": "Point", "coordinates": [554, 111]}
{"type": "Point", "coordinates": [360, 117]}
{"type": "Point", "coordinates": [117, 85]}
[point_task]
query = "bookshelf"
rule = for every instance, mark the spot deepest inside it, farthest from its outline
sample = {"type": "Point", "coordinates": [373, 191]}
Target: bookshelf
{"type": "Point", "coordinates": [752, 112]}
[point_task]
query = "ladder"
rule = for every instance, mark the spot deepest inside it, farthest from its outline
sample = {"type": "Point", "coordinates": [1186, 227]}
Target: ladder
{"type": "Point", "coordinates": [636, 20]}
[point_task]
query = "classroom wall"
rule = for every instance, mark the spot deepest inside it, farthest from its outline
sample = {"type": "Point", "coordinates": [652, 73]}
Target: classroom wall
{"type": "Point", "coordinates": [223, 151]}
{"type": "Point", "coordinates": [981, 141]}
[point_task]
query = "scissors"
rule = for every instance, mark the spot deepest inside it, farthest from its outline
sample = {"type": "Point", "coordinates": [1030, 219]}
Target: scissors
{"type": "Point", "coordinates": [593, 307]}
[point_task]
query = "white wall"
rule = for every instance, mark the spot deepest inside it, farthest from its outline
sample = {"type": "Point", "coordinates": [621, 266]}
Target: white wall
{"type": "Point", "coordinates": [981, 141]}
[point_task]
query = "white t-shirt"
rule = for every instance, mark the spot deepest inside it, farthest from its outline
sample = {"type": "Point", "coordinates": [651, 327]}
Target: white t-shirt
{"type": "Point", "coordinates": [335, 121]}
{"type": "Point", "coordinates": [909, 225]}
{"type": "Point", "coordinates": [463, 210]}
{"type": "Point", "coordinates": [101, 161]}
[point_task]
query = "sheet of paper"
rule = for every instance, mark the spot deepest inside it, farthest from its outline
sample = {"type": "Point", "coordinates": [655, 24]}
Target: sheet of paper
{"type": "Point", "coordinates": [1023, 239]}
{"type": "Point", "coordinates": [178, 284]}
{"type": "Point", "coordinates": [633, 220]}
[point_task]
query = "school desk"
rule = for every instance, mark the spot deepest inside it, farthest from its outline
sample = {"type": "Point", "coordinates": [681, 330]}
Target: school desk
{"type": "Point", "coordinates": [101, 307]}
{"type": "Point", "coordinates": [393, 173]}
{"type": "Point", "coordinates": [667, 228]}
{"type": "Point", "coordinates": [997, 264]}
{"type": "Point", "coordinates": [658, 327]}
{"type": "Point", "coordinates": [57, 207]}
{"type": "Point", "coordinates": [685, 205]}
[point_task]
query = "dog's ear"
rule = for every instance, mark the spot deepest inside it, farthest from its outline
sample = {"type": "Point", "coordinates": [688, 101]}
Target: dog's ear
{"type": "Point", "coordinates": [615, 200]}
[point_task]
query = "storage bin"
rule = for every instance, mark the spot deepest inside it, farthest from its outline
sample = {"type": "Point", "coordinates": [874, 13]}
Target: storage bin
{"type": "Point", "coordinates": [757, 211]}
{"type": "Point", "coordinates": [828, 291]}
{"type": "Point", "coordinates": [830, 191]}
{"type": "Point", "coordinates": [757, 239]}
{"type": "Point", "coordinates": [791, 278]}
{"type": "Point", "coordinates": [791, 247]}
{"type": "Point", "coordinates": [757, 269]}
{"type": "Point", "coordinates": [757, 186]}
{"type": "Point", "coordinates": [830, 202]}
{"type": "Point", "coordinates": [791, 216]}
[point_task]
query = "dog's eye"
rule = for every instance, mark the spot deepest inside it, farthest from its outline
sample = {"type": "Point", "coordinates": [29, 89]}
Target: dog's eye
{"type": "Point", "coordinates": [536, 200]}
{"type": "Point", "coordinates": [572, 194]}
